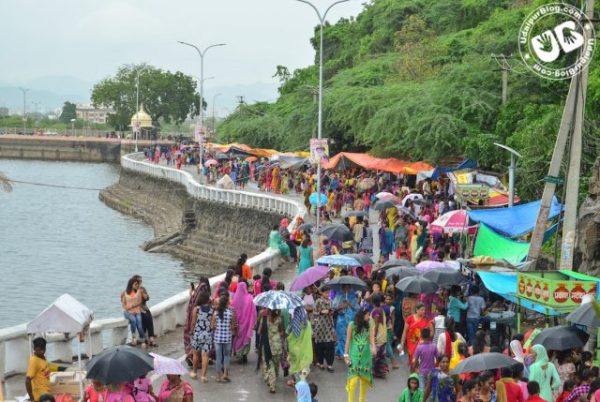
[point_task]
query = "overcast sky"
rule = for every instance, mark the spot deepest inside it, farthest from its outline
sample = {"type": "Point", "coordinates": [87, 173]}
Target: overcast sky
{"type": "Point", "coordinates": [90, 39]}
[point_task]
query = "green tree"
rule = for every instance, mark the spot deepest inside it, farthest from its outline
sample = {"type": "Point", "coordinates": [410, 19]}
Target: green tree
{"type": "Point", "coordinates": [69, 112]}
{"type": "Point", "coordinates": [167, 97]}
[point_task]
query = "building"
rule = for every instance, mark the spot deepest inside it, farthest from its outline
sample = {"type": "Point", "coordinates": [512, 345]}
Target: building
{"type": "Point", "coordinates": [87, 112]}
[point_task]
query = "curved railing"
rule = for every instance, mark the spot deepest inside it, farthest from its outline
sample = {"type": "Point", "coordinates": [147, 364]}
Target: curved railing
{"type": "Point", "coordinates": [168, 314]}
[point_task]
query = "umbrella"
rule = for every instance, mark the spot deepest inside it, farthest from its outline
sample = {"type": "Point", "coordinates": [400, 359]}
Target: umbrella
{"type": "Point", "coordinates": [354, 282]}
{"type": "Point", "coordinates": [585, 315]}
{"type": "Point", "coordinates": [337, 232]}
{"type": "Point", "coordinates": [250, 159]}
{"type": "Point", "coordinates": [453, 221]}
{"type": "Point", "coordinates": [278, 300]}
{"type": "Point", "coordinates": [417, 284]}
{"type": "Point", "coordinates": [308, 227]}
{"type": "Point", "coordinates": [362, 258]}
{"type": "Point", "coordinates": [421, 201]}
{"type": "Point", "coordinates": [210, 162]}
{"type": "Point", "coordinates": [406, 211]}
{"type": "Point", "coordinates": [166, 365]}
{"type": "Point", "coordinates": [366, 184]}
{"type": "Point", "coordinates": [221, 156]}
{"type": "Point", "coordinates": [563, 337]}
{"type": "Point", "coordinates": [338, 259]}
{"type": "Point", "coordinates": [427, 265]}
{"type": "Point", "coordinates": [483, 362]}
{"type": "Point", "coordinates": [313, 199]}
{"type": "Point", "coordinates": [444, 277]}
{"type": "Point", "coordinates": [402, 272]}
{"type": "Point", "coordinates": [385, 204]}
{"type": "Point", "coordinates": [309, 277]}
{"type": "Point", "coordinates": [411, 197]}
{"type": "Point", "coordinates": [384, 195]}
{"type": "Point", "coordinates": [356, 213]}
{"type": "Point", "coordinates": [119, 364]}
{"type": "Point", "coordinates": [397, 263]}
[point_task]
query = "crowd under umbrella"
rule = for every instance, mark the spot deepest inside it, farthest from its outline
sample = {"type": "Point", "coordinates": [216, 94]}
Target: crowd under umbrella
{"type": "Point", "coordinates": [278, 300]}
{"type": "Point", "coordinates": [585, 315]}
{"type": "Point", "coordinates": [384, 204]}
{"type": "Point", "coordinates": [119, 364]}
{"type": "Point", "coordinates": [338, 260]}
{"type": "Point", "coordinates": [402, 272]}
{"type": "Point", "coordinates": [363, 259]}
{"type": "Point", "coordinates": [337, 232]}
{"type": "Point", "coordinates": [309, 277]}
{"type": "Point", "coordinates": [354, 283]}
{"type": "Point", "coordinates": [483, 362]}
{"type": "Point", "coordinates": [307, 227]}
{"type": "Point", "coordinates": [445, 277]}
{"type": "Point", "coordinates": [362, 214]}
{"type": "Point", "coordinates": [563, 337]}
{"type": "Point", "coordinates": [397, 263]}
{"type": "Point", "coordinates": [417, 284]}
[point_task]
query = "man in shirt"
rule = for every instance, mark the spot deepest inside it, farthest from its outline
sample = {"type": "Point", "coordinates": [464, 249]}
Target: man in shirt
{"type": "Point", "coordinates": [584, 387]}
{"type": "Point", "coordinates": [476, 307]}
{"type": "Point", "coordinates": [37, 381]}
{"type": "Point", "coordinates": [425, 357]}
{"type": "Point", "coordinates": [507, 389]}
{"type": "Point", "coordinates": [533, 388]}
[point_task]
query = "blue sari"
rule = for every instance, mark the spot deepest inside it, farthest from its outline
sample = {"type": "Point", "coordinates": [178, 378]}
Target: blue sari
{"type": "Point", "coordinates": [344, 318]}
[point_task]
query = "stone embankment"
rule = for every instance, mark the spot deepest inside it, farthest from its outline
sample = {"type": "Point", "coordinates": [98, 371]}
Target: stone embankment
{"type": "Point", "coordinates": [208, 236]}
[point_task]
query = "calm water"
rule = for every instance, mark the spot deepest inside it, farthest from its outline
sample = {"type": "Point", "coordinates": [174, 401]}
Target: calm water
{"type": "Point", "coordinates": [56, 240]}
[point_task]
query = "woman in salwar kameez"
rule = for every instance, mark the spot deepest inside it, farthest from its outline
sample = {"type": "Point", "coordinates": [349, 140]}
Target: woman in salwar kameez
{"type": "Point", "coordinates": [276, 241]}
{"type": "Point", "coordinates": [346, 305]}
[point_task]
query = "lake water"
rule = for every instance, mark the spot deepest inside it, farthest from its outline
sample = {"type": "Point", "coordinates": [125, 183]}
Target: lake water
{"type": "Point", "coordinates": [58, 240]}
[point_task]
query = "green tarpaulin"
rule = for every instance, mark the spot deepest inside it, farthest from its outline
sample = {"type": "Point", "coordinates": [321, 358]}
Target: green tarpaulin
{"type": "Point", "coordinates": [492, 244]}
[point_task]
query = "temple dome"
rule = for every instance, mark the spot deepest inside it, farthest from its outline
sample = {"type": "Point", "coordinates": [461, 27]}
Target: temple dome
{"type": "Point", "coordinates": [143, 117]}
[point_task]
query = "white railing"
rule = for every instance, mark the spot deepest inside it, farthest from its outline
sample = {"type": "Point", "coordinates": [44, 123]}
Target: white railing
{"type": "Point", "coordinates": [168, 314]}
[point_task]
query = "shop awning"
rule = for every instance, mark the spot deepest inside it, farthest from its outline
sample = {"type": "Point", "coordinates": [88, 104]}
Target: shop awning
{"type": "Point", "coordinates": [466, 164]}
{"type": "Point", "coordinates": [515, 221]}
{"type": "Point", "coordinates": [346, 160]}
{"type": "Point", "coordinates": [492, 244]}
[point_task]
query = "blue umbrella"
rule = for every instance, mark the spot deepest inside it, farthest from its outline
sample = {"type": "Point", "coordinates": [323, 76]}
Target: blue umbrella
{"type": "Point", "coordinates": [338, 259]}
{"type": "Point", "coordinates": [313, 198]}
{"type": "Point", "coordinates": [278, 300]}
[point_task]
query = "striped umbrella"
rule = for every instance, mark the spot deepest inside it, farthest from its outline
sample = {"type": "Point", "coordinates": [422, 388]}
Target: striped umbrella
{"type": "Point", "coordinates": [278, 300]}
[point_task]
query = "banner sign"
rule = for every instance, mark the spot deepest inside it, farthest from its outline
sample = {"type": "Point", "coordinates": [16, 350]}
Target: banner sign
{"type": "Point", "coordinates": [199, 134]}
{"type": "Point", "coordinates": [319, 150]}
{"type": "Point", "coordinates": [554, 292]}
{"type": "Point", "coordinates": [468, 192]}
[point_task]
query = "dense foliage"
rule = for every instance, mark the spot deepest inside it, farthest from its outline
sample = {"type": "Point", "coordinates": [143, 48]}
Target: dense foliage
{"type": "Point", "coordinates": [416, 79]}
{"type": "Point", "coordinates": [167, 97]}
{"type": "Point", "coordinates": [69, 112]}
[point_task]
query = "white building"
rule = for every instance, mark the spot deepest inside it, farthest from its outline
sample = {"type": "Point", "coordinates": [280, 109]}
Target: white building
{"type": "Point", "coordinates": [88, 112]}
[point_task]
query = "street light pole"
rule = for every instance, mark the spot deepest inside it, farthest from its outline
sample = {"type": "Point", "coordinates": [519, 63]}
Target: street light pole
{"type": "Point", "coordinates": [322, 18]}
{"type": "Point", "coordinates": [214, 131]}
{"type": "Point", "coordinates": [511, 173]}
{"type": "Point", "coordinates": [201, 53]}
{"type": "Point", "coordinates": [24, 90]}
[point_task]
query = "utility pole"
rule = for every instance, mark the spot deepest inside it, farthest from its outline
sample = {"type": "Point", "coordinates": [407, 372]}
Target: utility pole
{"type": "Point", "coordinates": [241, 101]}
{"type": "Point", "coordinates": [571, 121]}
{"type": "Point", "coordinates": [502, 61]}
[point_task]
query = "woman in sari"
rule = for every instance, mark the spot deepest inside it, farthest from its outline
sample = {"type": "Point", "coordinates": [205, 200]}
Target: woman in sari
{"type": "Point", "coordinates": [174, 389]}
{"type": "Point", "coordinates": [412, 331]}
{"type": "Point", "coordinates": [345, 304]}
{"type": "Point", "coordinates": [276, 241]}
{"type": "Point", "coordinates": [300, 347]}
{"type": "Point", "coordinates": [305, 252]}
{"type": "Point", "coordinates": [245, 313]}
{"type": "Point", "coordinates": [276, 181]}
{"type": "Point", "coordinates": [440, 384]}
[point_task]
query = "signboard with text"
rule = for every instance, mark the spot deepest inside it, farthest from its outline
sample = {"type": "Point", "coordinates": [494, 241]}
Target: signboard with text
{"type": "Point", "coordinates": [467, 192]}
{"type": "Point", "coordinates": [554, 291]}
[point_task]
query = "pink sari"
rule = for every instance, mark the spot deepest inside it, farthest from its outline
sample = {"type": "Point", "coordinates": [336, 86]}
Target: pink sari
{"type": "Point", "coordinates": [245, 312]}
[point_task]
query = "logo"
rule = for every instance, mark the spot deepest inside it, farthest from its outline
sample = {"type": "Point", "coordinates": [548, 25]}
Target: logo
{"type": "Point", "coordinates": [556, 41]}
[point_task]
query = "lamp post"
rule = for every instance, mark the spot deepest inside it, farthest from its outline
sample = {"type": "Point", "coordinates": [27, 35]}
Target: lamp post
{"type": "Point", "coordinates": [320, 118]}
{"type": "Point", "coordinates": [24, 90]}
{"type": "Point", "coordinates": [214, 130]}
{"type": "Point", "coordinates": [511, 173]}
{"type": "Point", "coordinates": [73, 127]}
{"type": "Point", "coordinates": [201, 53]}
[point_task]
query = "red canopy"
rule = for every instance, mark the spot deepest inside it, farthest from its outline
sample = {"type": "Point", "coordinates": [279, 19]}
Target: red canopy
{"type": "Point", "coordinates": [392, 165]}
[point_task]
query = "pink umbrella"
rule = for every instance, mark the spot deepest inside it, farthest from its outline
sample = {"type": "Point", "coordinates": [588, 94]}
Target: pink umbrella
{"type": "Point", "coordinates": [309, 277]}
{"type": "Point", "coordinates": [427, 265]}
{"type": "Point", "coordinates": [450, 222]}
{"type": "Point", "coordinates": [210, 162]}
{"type": "Point", "coordinates": [384, 195]}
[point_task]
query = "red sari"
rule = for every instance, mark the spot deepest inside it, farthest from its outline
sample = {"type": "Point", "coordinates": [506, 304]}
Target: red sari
{"type": "Point", "coordinates": [414, 326]}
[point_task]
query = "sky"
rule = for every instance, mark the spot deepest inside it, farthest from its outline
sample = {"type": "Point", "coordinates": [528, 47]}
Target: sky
{"type": "Point", "coordinates": [89, 40]}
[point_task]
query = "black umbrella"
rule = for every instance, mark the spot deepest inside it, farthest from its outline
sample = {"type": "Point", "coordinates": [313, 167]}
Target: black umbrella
{"type": "Point", "coordinates": [483, 362]}
{"type": "Point", "coordinates": [585, 315]}
{"type": "Point", "coordinates": [421, 201]}
{"type": "Point", "coordinates": [444, 277]}
{"type": "Point", "coordinates": [397, 263]}
{"type": "Point", "coordinates": [355, 283]}
{"type": "Point", "coordinates": [119, 364]}
{"type": "Point", "coordinates": [384, 204]}
{"type": "Point", "coordinates": [362, 258]}
{"type": "Point", "coordinates": [337, 232]}
{"type": "Point", "coordinates": [563, 337]}
{"type": "Point", "coordinates": [308, 227]}
{"type": "Point", "coordinates": [407, 211]}
{"type": "Point", "coordinates": [417, 284]}
{"type": "Point", "coordinates": [356, 213]}
{"type": "Point", "coordinates": [402, 272]}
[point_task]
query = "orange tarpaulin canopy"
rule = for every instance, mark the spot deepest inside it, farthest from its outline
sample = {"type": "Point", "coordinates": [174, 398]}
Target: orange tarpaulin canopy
{"type": "Point", "coordinates": [366, 161]}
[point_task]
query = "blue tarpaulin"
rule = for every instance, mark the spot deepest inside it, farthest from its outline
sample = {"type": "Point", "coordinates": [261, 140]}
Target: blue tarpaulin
{"type": "Point", "coordinates": [516, 221]}
{"type": "Point", "coordinates": [466, 164]}
{"type": "Point", "coordinates": [505, 284]}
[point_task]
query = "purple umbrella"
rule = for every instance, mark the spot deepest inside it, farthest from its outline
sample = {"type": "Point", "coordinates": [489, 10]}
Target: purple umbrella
{"type": "Point", "coordinates": [309, 277]}
{"type": "Point", "coordinates": [427, 265]}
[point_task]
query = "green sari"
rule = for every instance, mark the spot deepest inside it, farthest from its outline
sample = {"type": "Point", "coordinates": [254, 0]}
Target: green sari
{"type": "Point", "coordinates": [300, 349]}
